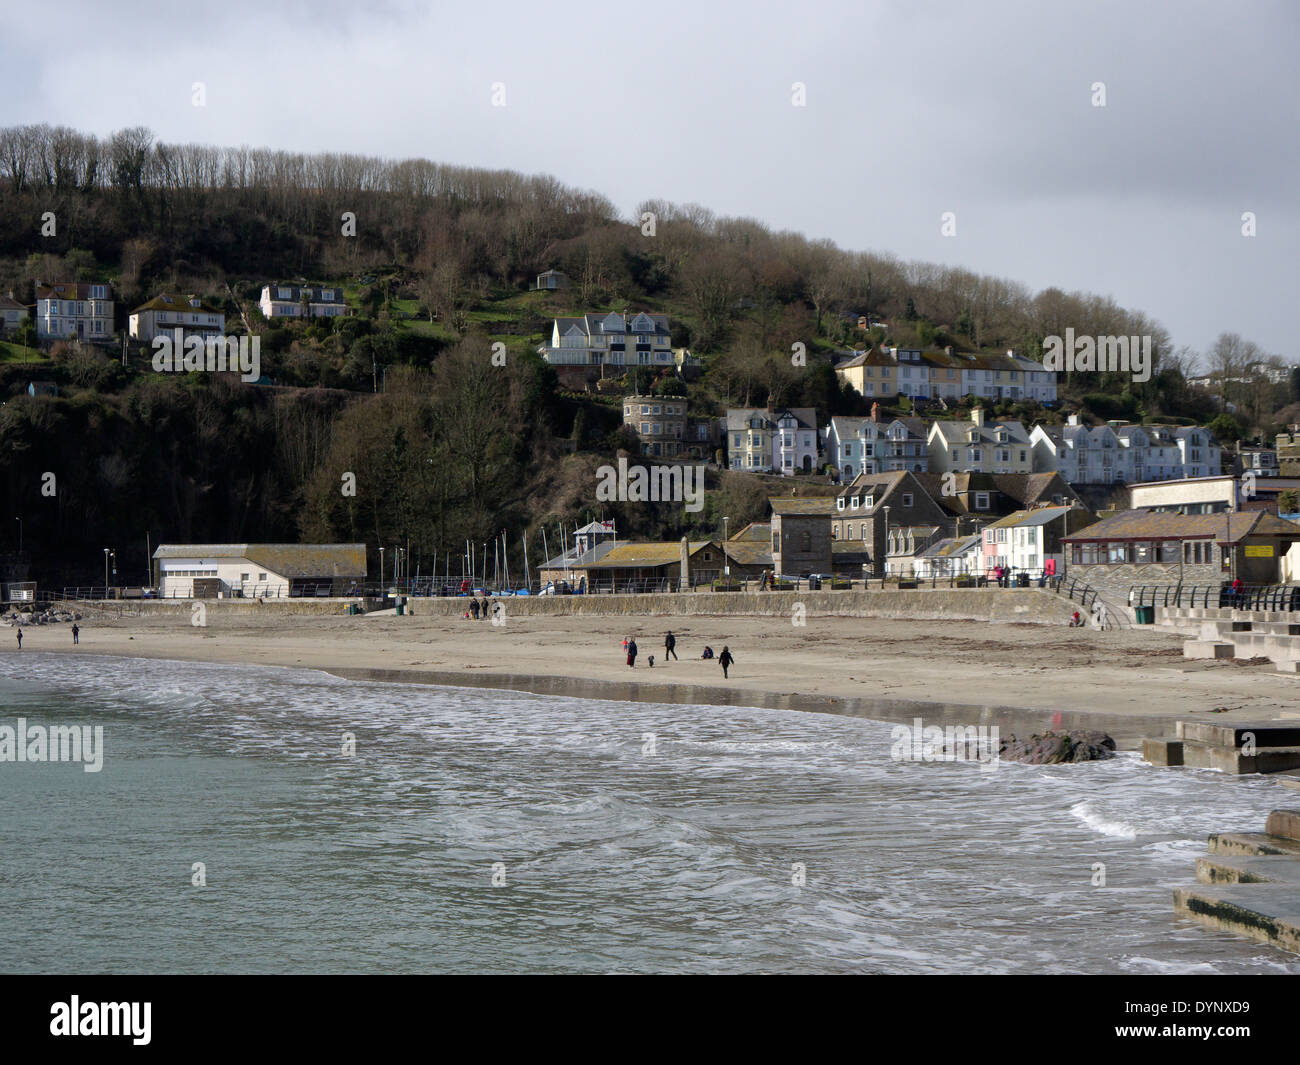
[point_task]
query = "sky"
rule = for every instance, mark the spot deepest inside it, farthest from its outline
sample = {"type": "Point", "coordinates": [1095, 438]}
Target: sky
{"type": "Point", "coordinates": [909, 110]}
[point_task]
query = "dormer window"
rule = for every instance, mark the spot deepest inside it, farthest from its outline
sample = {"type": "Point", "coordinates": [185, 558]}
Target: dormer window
{"type": "Point", "coordinates": [854, 502]}
{"type": "Point", "coordinates": [869, 502]}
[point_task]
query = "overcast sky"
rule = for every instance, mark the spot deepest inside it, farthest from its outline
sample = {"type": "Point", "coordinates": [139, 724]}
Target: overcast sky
{"type": "Point", "coordinates": [912, 109]}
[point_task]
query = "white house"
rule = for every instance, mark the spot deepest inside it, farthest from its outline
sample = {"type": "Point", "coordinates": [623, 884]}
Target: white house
{"type": "Point", "coordinates": [974, 447]}
{"type": "Point", "coordinates": [176, 316]}
{"type": "Point", "coordinates": [74, 311]}
{"type": "Point", "coordinates": [251, 571]}
{"type": "Point", "coordinates": [794, 444]}
{"type": "Point", "coordinates": [610, 339]}
{"type": "Point", "coordinates": [1116, 453]}
{"type": "Point", "coordinates": [301, 301]}
{"type": "Point", "coordinates": [952, 556]}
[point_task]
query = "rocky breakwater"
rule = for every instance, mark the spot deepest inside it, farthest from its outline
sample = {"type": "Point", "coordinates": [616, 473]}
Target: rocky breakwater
{"type": "Point", "coordinates": [39, 617]}
{"type": "Point", "coordinates": [1052, 748]}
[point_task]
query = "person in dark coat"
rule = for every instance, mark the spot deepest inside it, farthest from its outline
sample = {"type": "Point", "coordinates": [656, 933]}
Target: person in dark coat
{"type": "Point", "coordinates": [76, 633]}
{"type": "Point", "coordinates": [473, 607]}
{"type": "Point", "coordinates": [631, 653]}
{"type": "Point", "coordinates": [670, 645]}
{"type": "Point", "coordinates": [725, 660]}
{"type": "Point", "coordinates": [708, 652]}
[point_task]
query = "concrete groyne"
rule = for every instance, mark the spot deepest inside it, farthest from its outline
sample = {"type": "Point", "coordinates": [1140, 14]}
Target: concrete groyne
{"type": "Point", "coordinates": [1249, 884]}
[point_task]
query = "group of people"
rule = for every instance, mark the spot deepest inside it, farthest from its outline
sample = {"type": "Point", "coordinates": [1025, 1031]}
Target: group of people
{"type": "Point", "coordinates": [725, 659]}
{"type": "Point", "coordinates": [480, 608]}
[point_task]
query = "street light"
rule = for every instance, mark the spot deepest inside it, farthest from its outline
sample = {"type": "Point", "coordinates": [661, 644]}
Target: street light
{"type": "Point", "coordinates": [886, 510]}
{"type": "Point", "coordinates": [107, 552]}
{"type": "Point", "coordinates": [381, 569]}
{"type": "Point", "coordinates": [20, 534]}
{"type": "Point", "coordinates": [726, 559]}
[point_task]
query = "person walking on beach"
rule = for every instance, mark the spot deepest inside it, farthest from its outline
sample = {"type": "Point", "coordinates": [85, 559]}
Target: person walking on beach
{"type": "Point", "coordinates": [473, 607]}
{"type": "Point", "coordinates": [725, 660]}
{"type": "Point", "coordinates": [20, 639]}
{"type": "Point", "coordinates": [670, 647]}
{"type": "Point", "coordinates": [631, 653]}
{"type": "Point", "coordinates": [76, 633]}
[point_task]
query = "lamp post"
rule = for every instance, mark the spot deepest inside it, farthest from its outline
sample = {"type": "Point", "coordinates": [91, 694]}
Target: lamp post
{"type": "Point", "coordinates": [886, 573]}
{"type": "Point", "coordinates": [20, 534]}
{"type": "Point", "coordinates": [108, 551]}
{"type": "Point", "coordinates": [381, 569]}
{"type": "Point", "coordinates": [726, 559]}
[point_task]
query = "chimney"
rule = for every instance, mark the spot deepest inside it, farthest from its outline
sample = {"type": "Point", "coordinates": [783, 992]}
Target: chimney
{"type": "Point", "coordinates": [977, 416]}
{"type": "Point", "coordinates": [1073, 419]}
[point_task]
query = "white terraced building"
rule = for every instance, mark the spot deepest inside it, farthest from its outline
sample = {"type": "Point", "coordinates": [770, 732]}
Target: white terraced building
{"type": "Point", "coordinates": [252, 571]}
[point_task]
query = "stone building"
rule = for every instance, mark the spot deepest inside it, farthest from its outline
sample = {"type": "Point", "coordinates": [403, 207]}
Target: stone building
{"type": "Point", "coordinates": [801, 535]}
{"type": "Point", "coordinates": [1140, 547]}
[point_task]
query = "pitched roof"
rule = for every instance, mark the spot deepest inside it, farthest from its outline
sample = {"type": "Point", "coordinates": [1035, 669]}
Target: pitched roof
{"type": "Point", "coordinates": [1162, 525]}
{"type": "Point", "coordinates": [805, 505]}
{"type": "Point", "coordinates": [660, 553]}
{"type": "Point", "coordinates": [287, 560]}
{"type": "Point", "coordinates": [71, 290]}
{"type": "Point", "coordinates": [745, 553]}
{"type": "Point", "coordinates": [754, 532]}
{"type": "Point", "coordinates": [165, 301]}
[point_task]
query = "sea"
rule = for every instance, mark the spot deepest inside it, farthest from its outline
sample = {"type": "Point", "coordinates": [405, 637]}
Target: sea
{"type": "Point", "coordinates": [260, 820]}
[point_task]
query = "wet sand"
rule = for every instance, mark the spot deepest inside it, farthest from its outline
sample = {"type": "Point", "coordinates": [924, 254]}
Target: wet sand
{"type": "Point", "coordinates": [1133, 683]}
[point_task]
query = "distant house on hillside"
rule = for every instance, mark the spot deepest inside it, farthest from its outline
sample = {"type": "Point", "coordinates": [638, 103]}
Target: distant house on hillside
{"type": "Point", "coordinates": [74, 311]}
{"type": "Point", "coordinates": [12, 314]}
{"type": "Point", "coordinates": [552, 280]}
{"type": "Point", "coordinates": [177, 316]}
{"type": "Point", "coordinates": [301, 301]}
{"type": "Point", "coordinates": [580, 348]}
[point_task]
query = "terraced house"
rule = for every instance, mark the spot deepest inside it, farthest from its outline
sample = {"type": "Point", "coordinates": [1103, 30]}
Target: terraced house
{"type": "Point", "coordinates": [976, 447]}
{"type": "Point", "coordinates": [760, 440]}
{"type": "Point", "coordinates": [1117, 453]}
{"type": "Point", "coordinates": [74, 310]}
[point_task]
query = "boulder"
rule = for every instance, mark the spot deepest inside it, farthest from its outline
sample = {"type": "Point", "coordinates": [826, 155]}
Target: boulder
{"type": "Point", "coordinates": [1052, 748]}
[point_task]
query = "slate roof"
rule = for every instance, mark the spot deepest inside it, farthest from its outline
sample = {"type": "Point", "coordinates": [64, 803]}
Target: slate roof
{"type": "Point", "coordinates": [807, 505]}
{"type": "Point", "coordinates": [754, 532]}
{"type": "Point", "coordinates": [71, 290]}
{"type": "Point", "coordinates": [1162, 525]}
{"type": "Point", "coordinates": [746, 553]}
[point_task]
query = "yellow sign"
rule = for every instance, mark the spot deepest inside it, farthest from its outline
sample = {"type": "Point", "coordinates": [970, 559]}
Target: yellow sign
{"type": "Point", "coordinates": [1259, 550]}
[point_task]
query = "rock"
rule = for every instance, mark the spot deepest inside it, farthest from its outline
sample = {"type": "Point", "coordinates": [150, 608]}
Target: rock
{"type": "Point", "coordinates": [1053, 748]}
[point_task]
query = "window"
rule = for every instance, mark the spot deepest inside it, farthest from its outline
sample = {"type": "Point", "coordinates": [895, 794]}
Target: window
{"type": "Point", "coordinates": [839, 503]}
{"type": "Point", "coordinates": [243, 576]}
{"type": "Point", "coordinates": [261, 576]}
{"type": "Point", "coordinates": [869, 502]}
{"type": "Point", "coordinates": [854, 502]}
{"type": "Point", "coordinates": [907, 499]}
{"type": "Point", "coordinates": [864, 530]}
{"type": "Point", "coordinates": [981, 501]}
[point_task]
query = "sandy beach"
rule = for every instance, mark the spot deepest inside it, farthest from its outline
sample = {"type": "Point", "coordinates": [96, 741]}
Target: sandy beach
{"type": "Point", "coordinates": [1134, 683]}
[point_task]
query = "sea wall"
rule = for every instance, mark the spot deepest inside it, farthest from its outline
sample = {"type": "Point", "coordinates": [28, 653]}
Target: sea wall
{"type": "Point", "coordinates": [1031, 605]}
{"type": "Point", "coordinates": [115, 608]}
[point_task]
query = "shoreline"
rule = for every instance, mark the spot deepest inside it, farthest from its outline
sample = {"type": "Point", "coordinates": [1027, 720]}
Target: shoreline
{"type": "Point", "coordinates": [1134, 684]}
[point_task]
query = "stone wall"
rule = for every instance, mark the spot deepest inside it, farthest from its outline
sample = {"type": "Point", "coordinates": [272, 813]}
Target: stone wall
{"type": "Point", "coordinates": [1114, 582]}
{"type": "Point", "coordinates": [1032, 605]}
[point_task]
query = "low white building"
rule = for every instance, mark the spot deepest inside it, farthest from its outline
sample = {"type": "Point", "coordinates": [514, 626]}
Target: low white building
{"type": "Point", "coordinates": [176, 316]}
{"type": "Point", "coordinates": [252, 571]}
{"type": "Point", "coordinates": [12, 314]}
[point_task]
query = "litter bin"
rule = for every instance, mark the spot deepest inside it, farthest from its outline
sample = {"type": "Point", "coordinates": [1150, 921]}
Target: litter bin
{"type": "Point", "coordinates": [1022, 580]}
{"type": "Point", "coordinates": [1146, 615]}
{"type": "Point", "coordinates": [814, 583]}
